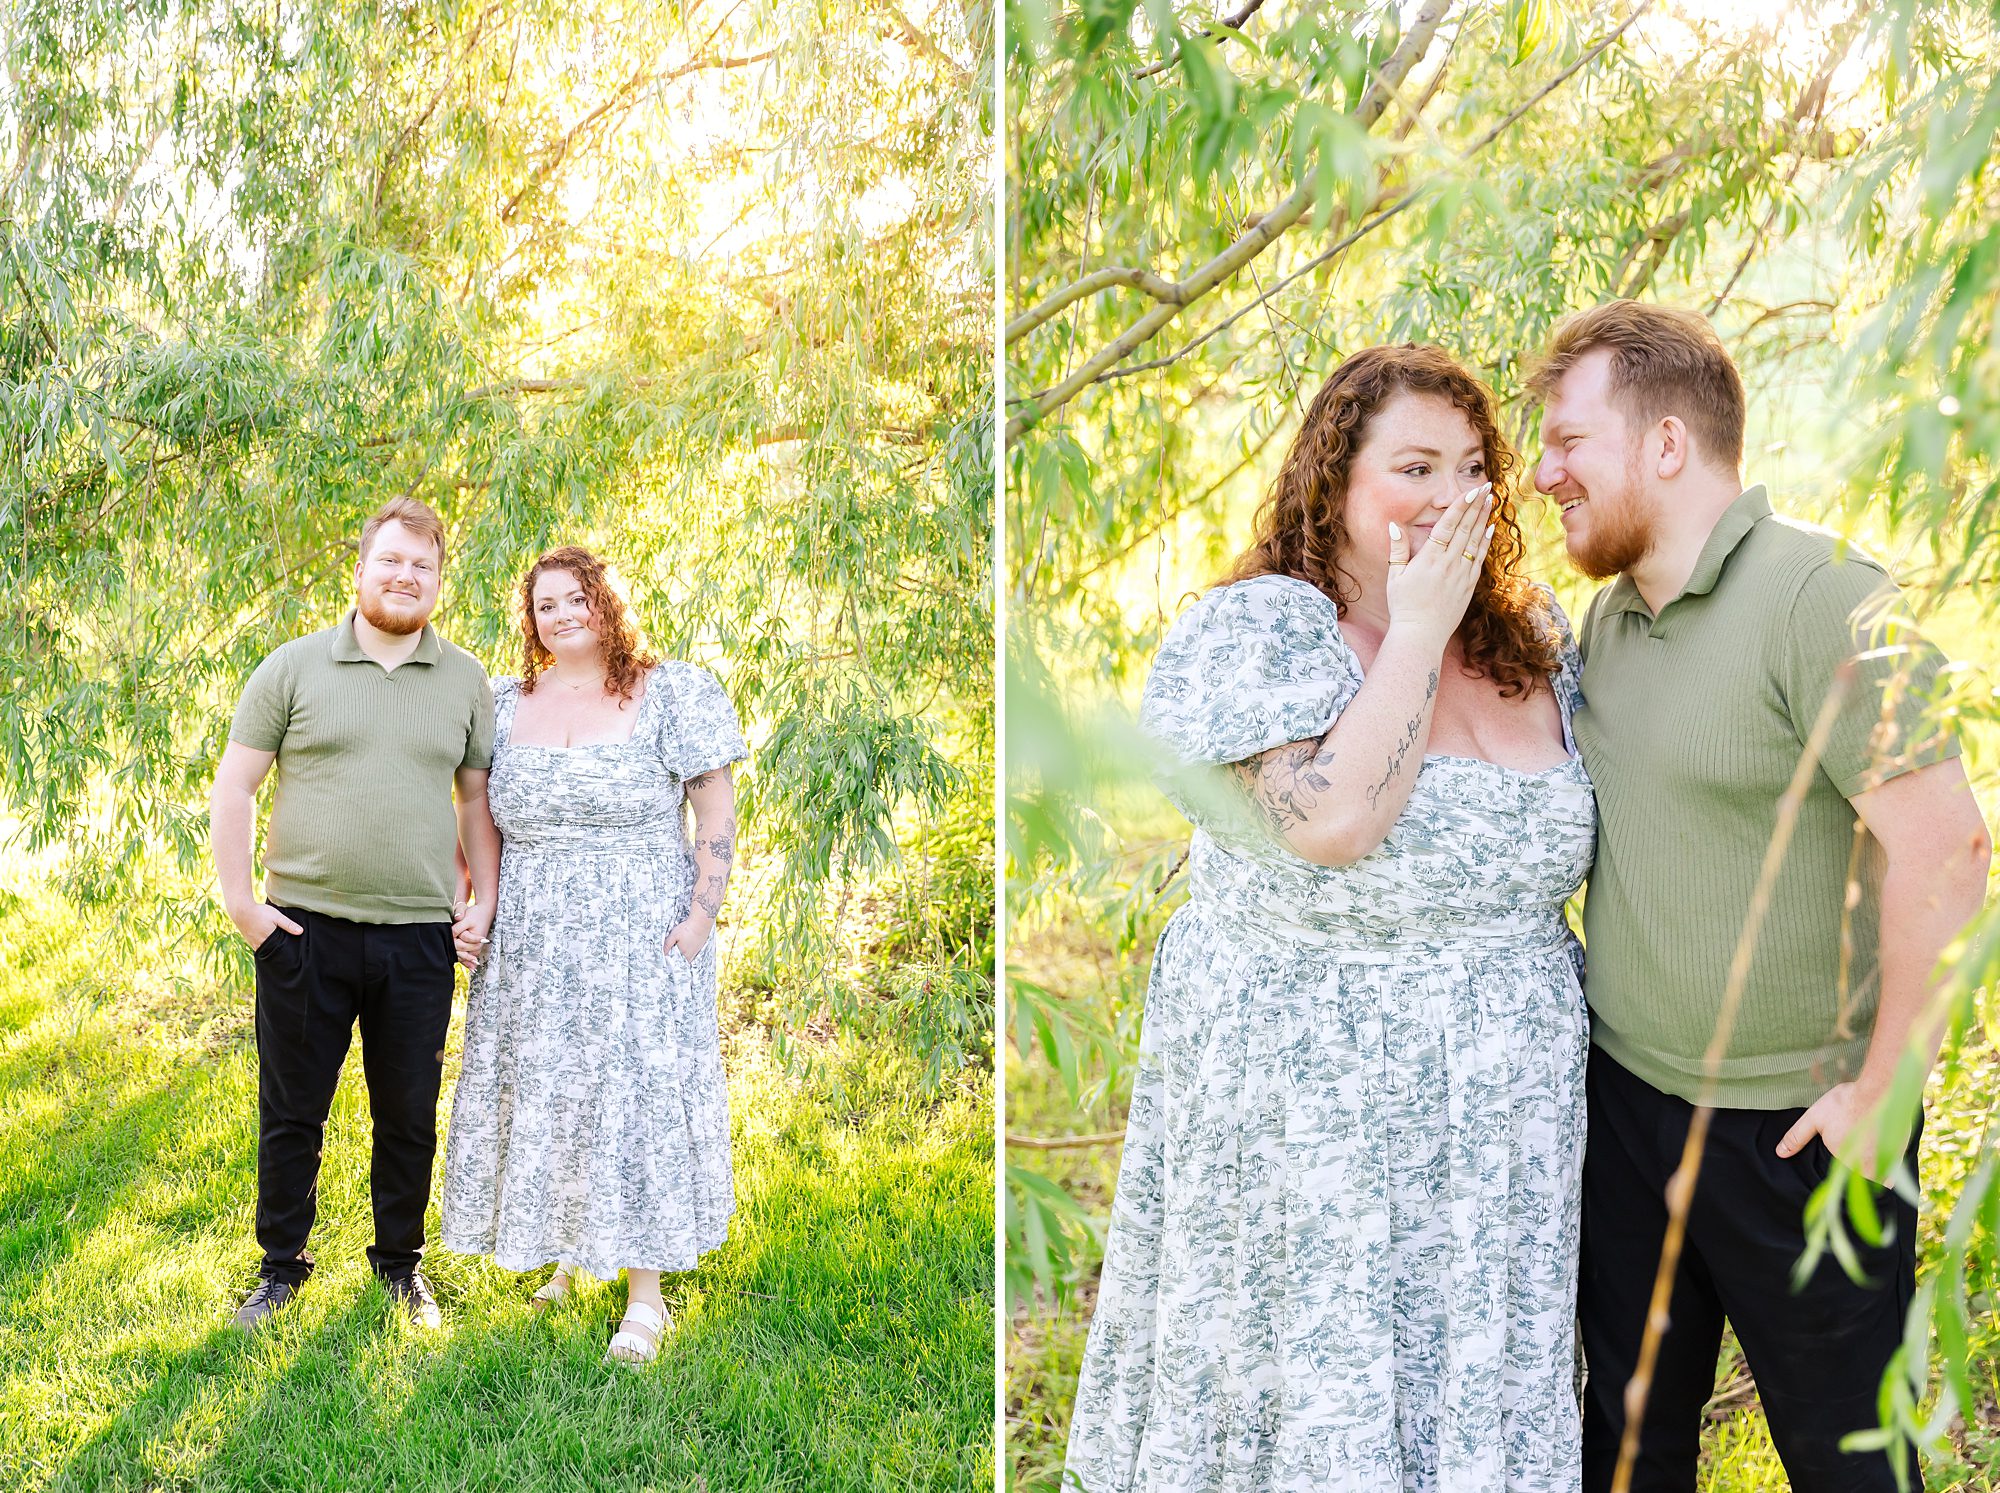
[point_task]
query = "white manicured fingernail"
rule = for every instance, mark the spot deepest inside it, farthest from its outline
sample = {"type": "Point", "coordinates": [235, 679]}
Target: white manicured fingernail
{"type": "Point", "coordinates": [1394, 532]}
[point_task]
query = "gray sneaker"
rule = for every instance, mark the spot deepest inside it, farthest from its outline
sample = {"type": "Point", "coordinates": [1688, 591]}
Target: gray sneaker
{"type": "Point", "coordinates": [265, 1302]}
{"type": "Point", "coordinates": [413, 1293]}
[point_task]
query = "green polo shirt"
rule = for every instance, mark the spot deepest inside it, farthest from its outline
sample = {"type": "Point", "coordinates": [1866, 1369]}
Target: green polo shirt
{"type": "Point", "coordinates": [1693, 724]}
{"type": "Point", "coordinates": [362, 825]}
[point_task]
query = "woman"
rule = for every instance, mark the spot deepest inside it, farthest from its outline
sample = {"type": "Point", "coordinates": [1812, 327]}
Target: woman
{"type": "Point", "coordinates": [591, 1122]}
{"type": "Point", "coordinates": [1342, 1253]}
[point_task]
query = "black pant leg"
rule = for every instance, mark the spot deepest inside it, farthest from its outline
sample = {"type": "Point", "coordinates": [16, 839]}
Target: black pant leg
{"type": "Point", "coordinates": [307, 988]}
{"type": "Point", "coordinates": [405, 1018]}
{"type": "Point", "coordinates": [1817, 1352]}
{"type": "Point", "coordinates": [1635, 1139]}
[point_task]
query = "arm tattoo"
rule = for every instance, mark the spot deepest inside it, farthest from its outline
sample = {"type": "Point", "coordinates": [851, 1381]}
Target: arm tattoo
{"type": "Point", "coordinates": [1411, 730]}
{"type": "Point", "coordinates": [709, 897]}
{"type": "Point", "coordinates": [722, 842]}
{"type": "Point", "coordinates": [1286, 782]}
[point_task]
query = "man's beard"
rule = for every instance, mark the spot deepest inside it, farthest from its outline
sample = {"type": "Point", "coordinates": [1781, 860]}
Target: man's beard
{"type": "Point", "coordinates": [396, 624]}
{"type": "Point", "coordinates": [1619, 536]}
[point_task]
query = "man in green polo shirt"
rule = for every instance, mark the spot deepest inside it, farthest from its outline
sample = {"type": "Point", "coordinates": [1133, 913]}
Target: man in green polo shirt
{"type": "Point", "coordinates": [371, 724]}
{"type": "Point", "coordinates": [1725, 634]}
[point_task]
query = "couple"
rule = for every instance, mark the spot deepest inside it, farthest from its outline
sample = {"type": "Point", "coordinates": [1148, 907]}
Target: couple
{"type": "Point", "coordinates": [590, 1126]}
{"type": "Point", "coordinates": [1357, 1225]}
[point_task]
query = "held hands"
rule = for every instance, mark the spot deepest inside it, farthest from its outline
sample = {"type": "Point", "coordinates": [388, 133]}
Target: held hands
{"type": "Point", "coordinates": [258, 921]}
{"type": "Point", "coordinates": [1429, 591]}
{"type": "Point", "coordinates": [690, 935]}
{"type": "Point", "coordinates": [471, 922]}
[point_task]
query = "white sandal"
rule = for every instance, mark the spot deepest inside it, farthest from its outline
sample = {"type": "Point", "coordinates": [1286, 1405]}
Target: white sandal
{"type": "Point", "coordinates": [630, 1347]}
{"type": "Point", "coordinates": [554, 1289]}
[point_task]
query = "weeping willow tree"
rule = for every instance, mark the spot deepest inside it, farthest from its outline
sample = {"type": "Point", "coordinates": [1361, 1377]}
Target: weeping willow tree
{"type": "Point", "coordinates": [704, 286]}
{"type": "Point", "coordinates": [1208, 207]}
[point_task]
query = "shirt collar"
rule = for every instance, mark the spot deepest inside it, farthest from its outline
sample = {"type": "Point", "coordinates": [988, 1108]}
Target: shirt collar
{"type": "Point", "coordinates": [1737, 520]}
{"type": "Point", "coordinates": [347, 650]}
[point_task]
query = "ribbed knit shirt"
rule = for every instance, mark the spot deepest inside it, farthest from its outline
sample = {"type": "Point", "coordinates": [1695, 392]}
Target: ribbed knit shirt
{"type": "Point", "coordinates": [1693, 724]}
{"type": "Point", "coordinates": [362, 825]}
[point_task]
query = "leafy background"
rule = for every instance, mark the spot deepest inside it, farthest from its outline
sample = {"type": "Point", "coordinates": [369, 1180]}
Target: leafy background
{"type": "Point", "coordinates": [706, 286]}
{"type": "Point", "coordinates": [1208, 207]}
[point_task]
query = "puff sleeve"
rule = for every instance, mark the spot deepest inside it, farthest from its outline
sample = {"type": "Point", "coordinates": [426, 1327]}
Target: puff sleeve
{"type": "Point", "coordinates": [1248, 667]}
{"type": "Point", "coordinates": [704, 734]}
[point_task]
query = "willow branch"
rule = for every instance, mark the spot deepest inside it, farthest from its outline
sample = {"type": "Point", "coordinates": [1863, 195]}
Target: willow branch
{"type": "Point", "coordinates": [626, 95]}
{"type": "Point", "coordinates": [1064, 1142]}
{"type": "Point", "coordinates": [920, 41]}
{"type": "Point", "coordinates": [1383, 210]}
{"type": "Point", "coordinates": [1232, 23]}
{"type": "Point", "coordinates": [1265, 232]}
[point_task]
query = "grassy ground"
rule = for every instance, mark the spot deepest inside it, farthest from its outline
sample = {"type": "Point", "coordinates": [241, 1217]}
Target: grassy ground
{"type": "Point", "coordinates": [841, 1340]}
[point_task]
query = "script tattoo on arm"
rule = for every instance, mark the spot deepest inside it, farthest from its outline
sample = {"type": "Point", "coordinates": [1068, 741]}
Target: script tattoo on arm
{"type": "Point", "coordinates": [1287, 782]}
{"type": "Point", "coordinates": [1411, 730]}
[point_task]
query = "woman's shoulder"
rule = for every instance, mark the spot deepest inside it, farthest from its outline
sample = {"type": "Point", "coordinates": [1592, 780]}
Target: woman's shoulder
{"type": "Point", "coordinates": [1268, 592]}
{"type": "Point", "coordinates": [1259, 606]}
{"type": "Point", "coordinates": [503, 684]}
{"type": "Point", "coordinates": [676, 677]}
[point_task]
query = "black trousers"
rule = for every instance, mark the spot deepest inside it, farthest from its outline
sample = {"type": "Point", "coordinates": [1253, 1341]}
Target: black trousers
{"type": "Point", "coordinates": [1817, 1354]}
{"type": "Point", "coordinates": [396, 978]}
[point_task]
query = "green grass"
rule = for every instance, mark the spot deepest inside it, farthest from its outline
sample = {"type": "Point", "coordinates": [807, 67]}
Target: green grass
{"type": "Point", "coordinates": [841, 1339]}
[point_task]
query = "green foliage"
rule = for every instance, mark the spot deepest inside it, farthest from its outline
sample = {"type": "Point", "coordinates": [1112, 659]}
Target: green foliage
{"type": "Point", "coordinates": [705, 290]}
{"type": "Point", "coordinates": [1202, 223]}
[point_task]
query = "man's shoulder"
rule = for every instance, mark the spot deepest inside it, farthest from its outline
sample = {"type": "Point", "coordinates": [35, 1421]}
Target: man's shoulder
{"type": "Point", "coordinates": [306, 648]}
{"type": "Point", "coordinates": [457, 659]}
{"type": "Point", "coordinates": [1801, 548]}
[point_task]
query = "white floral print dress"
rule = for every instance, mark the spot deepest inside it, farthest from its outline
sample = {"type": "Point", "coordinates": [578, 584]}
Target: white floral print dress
{"type": "Point", "coordinates": [591, 1119]}
{"type": "Point", "coordinates": [1342, 1254]}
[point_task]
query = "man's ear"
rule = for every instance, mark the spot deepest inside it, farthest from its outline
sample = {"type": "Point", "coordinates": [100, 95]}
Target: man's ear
{"type": "Point", "coordinates": [1670, 438]}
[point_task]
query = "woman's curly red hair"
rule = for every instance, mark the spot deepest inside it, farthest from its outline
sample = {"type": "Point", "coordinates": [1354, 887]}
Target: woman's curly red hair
{"type": "Point", "coordinates": [623, 660]}
{"type": "Point", "coordinates": [1301, 526]}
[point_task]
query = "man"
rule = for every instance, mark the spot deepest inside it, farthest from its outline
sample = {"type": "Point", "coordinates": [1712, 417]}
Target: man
{"type": "Point", "coordinates": [1707, 663]}
{"type": "Point", "coordinates": [371, 723]}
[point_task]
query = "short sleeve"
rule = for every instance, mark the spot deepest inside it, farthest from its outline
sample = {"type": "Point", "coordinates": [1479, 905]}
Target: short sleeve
{"type": "Point", "coordinates": [506, 698]}
{"type": "Point", "coordinates": [479, 739]}
{"type": "Point", "coordinates": [265, 710]}
{"type": "Point", "coordinates": [1248, 667]}
{"type": "Point", "coordinates": [1850, 611]}
{"type": "Point", "coordinates": [705, 733]}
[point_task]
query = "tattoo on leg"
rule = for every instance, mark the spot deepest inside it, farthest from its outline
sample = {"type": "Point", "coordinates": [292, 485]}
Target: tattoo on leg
{"type": "Point", "coordinates": [1411, 730]}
